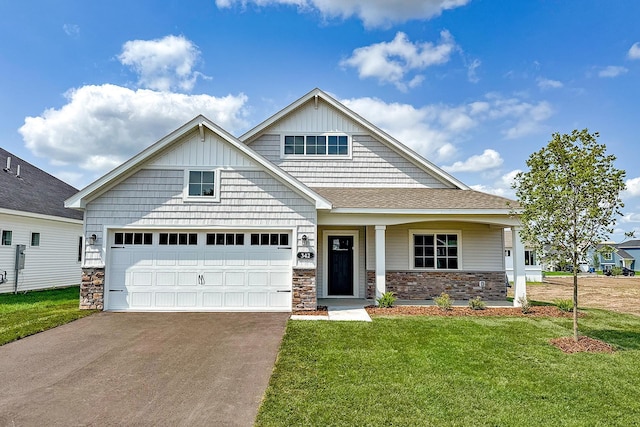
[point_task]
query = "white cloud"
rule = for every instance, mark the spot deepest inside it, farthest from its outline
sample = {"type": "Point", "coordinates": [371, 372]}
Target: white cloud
{"type": "Point", "coordinates": [163, 64]}
{"type": "Point", "coordinates": [373, 13]}
{"type": "Point", "coordinates": [544, 83]}
{"type": "Point", "coordinates": [489, 159]}
{"type": "Point", "coordinates": [472, 76]}
{"type": "Point", "coordinates": [102, 126]}
{"type": "Point", "coordinates": [71, 30]}
{"type": "Point", "coordinates": [501, 187]}
{"type": "Point", "coordinates": [630, 218]}
{"type": "Point", "coordinates": [389, 62]}
{"type": "Point", "coordinates": [634, 51]}
{"type": "Point", "coordinates": [633, 187]}
{"type": "Point", "coordinates": [435, 130]}
{"type": "Point", "coordinates": [612, 71]}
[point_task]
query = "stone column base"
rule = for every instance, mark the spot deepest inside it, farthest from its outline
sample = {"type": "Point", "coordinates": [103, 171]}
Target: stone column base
{"type": "Point", "coordinates": [92, 289]}
{"type": "Point", "coordinates": [304, 290]}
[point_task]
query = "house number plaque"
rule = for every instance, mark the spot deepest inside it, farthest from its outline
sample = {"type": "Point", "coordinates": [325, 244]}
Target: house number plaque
{"type": "Point", "coordinates": [305, 255]}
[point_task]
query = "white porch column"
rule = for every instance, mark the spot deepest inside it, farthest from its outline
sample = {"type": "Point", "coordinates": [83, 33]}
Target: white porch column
{"type": "Point", "coordinates": [380, 260]}
{"type": "Point", "coordinates": [519, 274]}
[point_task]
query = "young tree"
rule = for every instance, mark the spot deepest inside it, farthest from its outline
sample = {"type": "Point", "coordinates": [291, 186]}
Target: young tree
{"type": "Point", "coordinates": [570, 200]}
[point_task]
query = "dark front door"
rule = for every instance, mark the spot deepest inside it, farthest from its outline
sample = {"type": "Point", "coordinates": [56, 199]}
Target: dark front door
{"type": "Point", "coordinates": [340, 261]}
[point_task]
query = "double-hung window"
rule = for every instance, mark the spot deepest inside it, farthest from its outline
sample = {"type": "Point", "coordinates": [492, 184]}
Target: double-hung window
{"type": "Point", "coordinates": [435, 250]}
{"type": "Point", "coordinates": [316, 145]}
{"type": "Point", "coordinates": [202, 185]}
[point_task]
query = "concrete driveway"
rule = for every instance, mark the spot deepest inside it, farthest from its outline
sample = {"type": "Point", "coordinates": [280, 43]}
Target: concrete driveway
{"type": "Point", "coordinates": [141, 369]}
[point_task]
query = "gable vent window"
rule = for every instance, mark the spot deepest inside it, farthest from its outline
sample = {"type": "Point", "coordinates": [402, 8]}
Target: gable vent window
{"type": "Point", "coordinates": [178, 239]}
{"type": "Point", "coordinates": [316, 145]}
{"type": "Point", "coordinates": [226, 239]}
{"type": "Point", "coordinates": [269, 239]}
{"type": "Point", "coordinates": [133, 238]}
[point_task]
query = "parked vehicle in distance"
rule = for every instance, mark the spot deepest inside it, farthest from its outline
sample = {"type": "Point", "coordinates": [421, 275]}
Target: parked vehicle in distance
{"type": "Point", "coordinates": [623, 270]}
{"type": "Point", "coordinates": [628, 272]}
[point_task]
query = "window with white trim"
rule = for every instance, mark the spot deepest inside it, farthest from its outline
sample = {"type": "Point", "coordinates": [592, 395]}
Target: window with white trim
{"type": "Point", "coordinates": [35, 239]}
{"type": "Point", "coordinates": [529, 258]}
{"type": "Point", "coordinates": [316, 145]}
{"type": "Point", "coordinates": [608, 256]}
{"type": "Point", "coordinates": [439, 251]}
{"type": "Point", "coordinates": [6, 237]}
{"type": "Point", "coordinates": [202, 185]}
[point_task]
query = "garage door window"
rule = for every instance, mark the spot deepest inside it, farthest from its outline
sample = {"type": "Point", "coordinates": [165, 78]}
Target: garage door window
{"type": "Point", "coordinates": [178, 239]}
{"type": "Point", "coordinates": [133, 238]}
{"type": "Point", "coordinates": [225, 239]}
{"type": "Point", "coordinates": [270, 239]}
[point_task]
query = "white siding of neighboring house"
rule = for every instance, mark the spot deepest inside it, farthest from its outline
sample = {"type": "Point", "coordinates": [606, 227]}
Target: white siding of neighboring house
{"type": "Point", "coordinates": [249, 197]}
{"type": "Point", "coordinates": [372, 163]}
{"type": "Point", "coordinates": [52, 264]}
{"type": "Point", "coordinates": [480, 245]}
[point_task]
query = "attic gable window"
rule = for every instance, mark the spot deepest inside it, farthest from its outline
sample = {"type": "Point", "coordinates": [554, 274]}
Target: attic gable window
{"type": "Point", "coordinates": [316, 145]}
{"type": "Point", "coordinates": [202, 185]}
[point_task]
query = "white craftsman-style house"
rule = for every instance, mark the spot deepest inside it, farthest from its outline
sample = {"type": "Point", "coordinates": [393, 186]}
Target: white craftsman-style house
{"type": "Point", "coordinates": [40, 240]}
{"type": "Point", "coordinates": [313, 203]}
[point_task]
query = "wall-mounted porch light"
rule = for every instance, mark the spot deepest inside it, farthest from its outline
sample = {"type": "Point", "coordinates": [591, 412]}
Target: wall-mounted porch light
{"type": "Point", "coordinates": [305, 240]}
{"type": "Point", "coordinates": [91, 240]}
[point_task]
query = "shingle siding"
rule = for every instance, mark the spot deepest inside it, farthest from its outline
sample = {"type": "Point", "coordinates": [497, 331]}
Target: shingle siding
{"type": "Point", "coordinates": [153, 198]}
{"type": "Point", "coordinates": [372, 164]}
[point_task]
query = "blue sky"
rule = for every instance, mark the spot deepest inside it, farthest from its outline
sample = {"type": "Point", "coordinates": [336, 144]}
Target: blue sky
{"type": "Point", "coordinates": [475, 86]}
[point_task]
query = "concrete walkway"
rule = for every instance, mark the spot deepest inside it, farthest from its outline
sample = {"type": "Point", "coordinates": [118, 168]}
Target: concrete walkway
{"type": "Point", "coordinates": [341, 310]}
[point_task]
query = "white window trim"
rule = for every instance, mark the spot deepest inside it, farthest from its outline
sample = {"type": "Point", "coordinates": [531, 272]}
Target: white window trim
{"type": "Point", "coordinates": [31, 233]}
{"type": "Point", "coordinates": [434, 232]}
{"type": "Point", "coordinates": [207, 199]}
{"type": "Point", "coordinates": [349, 154]}
{"type": "Point", "coordinates": [607, 256]}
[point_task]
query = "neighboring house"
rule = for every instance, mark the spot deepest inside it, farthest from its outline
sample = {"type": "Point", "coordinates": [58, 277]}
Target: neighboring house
{"type": "Point", "coordinates": [32, 214]}
{"type": "Point", "coordinates": [533, 269]}
{"type": "Point", "coordinates": [618, 254]}
{"type": "Point", "coordinates": [315, 202]}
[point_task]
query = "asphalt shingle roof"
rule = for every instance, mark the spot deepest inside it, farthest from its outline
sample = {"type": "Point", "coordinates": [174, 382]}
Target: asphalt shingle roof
{"type": "Point", "coordinates": [412, 198]}
{"type": "Point", "coordinates": [35, 191]}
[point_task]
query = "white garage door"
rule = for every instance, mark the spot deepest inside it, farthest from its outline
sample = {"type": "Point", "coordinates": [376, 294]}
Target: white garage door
{"type": "Point", "coordinates": [199, 271]}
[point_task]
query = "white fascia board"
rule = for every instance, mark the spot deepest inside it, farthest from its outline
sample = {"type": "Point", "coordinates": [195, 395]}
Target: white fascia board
{"type": "Point", "coordinates": [377, 132]}
{"type": "Point", "coordinates": [40, 216]}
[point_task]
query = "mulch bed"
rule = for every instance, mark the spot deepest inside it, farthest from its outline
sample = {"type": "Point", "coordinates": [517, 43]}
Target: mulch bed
{"type": "Point", "coordinates": [584, 344]}
{"type": "Point", "coordinates": [412, 310]}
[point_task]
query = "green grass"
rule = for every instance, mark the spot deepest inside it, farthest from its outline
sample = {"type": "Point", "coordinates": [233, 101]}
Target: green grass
{"type": "Point", "coordinates": [557, 273]}
{"type": "Point", "coordinates": [22, 315]}
{"type": "Point", "coordinates": [474, 371]}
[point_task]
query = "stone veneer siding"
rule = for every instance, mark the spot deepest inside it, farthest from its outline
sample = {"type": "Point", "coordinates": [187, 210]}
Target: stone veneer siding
{"type": "Point", "coordinates": [304, 289]}
{"type": "Point", "coordinates": [92, 289]}
{"type": "Point", "coordinates": [460, 285]}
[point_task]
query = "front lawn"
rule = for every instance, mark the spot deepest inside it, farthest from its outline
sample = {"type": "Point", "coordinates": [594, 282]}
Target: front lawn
{"type": "Point", "coordinates": [22, 315]}
{"type": "Point", "coordinates": [457, 371]}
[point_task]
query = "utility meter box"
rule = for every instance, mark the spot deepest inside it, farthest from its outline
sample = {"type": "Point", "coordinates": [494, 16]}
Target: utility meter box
{"type": "Point", "coordinates": [20, 255]}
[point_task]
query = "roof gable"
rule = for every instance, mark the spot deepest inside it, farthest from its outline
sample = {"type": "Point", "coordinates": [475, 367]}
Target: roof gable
{"type": "Point", "coordinates": [34, 190]}
{"type": "Point", "coordinates": [346, 120]}
{"type": "Point", "coordinates": [169, 147]}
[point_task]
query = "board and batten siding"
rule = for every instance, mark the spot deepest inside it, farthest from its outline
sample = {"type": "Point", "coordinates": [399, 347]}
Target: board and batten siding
{"type": "Point", "coordinates": [372, 164]}
{"type": "Point", "coordinates": [480, 245]}
{"type": "Point", "coordinates": [54, 263]}
{"type": "Point", "coordinates": [154, 198]}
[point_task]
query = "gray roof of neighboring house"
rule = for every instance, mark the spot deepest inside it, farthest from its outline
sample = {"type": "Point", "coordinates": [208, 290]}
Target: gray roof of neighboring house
{"type": "Point", "coordinates": [412, 198]}
{"type": "Point", "coordinates": [35, 191]}
{"type": "Point", "coordinates": [630, 244]}
{"type": "Point", "coordinates": [619, 251]}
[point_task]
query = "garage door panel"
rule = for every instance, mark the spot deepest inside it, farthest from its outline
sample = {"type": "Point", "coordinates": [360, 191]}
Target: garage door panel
{"type": "Point", "coordinates": [140, 299]}
{"type": "Point", "coordinates": [258, 278]}
{"type": "Point", "coordinates": [166, 278]}
{"type": "Point", "coordinates": [165, 299]}
{"type": "Point", "coordinates": [188, 258]}
{"type": "Point", "coordinates": [187, 278]}
{"type": "Point", "coordinates": [280, 279]}
{"type": "Point", "coordinates": [166, 258]}
{"type": "Point", "coordinates": [235, 258]}
{"type": "Point", "coordinates": [186, 299]}
{"type": "Point", "coordinates": [212, 299]}
{"type": "Point", "coordinates": [234, 299]}
{"type": "Point", "coordinates": [280, 300]}
{"type": "Point", "coordinates": [257, 299]}
{"type": "Point", "coordinates": [141, 278]}
{"type": "Point", "coordinates": [141, 259]}
{"type": "Point", "coordinates": [213, 278]}
{"type": "Point", "coordinates": [234, 278]}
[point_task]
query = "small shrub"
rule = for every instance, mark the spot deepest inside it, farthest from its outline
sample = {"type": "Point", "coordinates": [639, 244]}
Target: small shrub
{"type": "Point", "coordinates": [444, 301]}
{"type": "Point", "coordinates": [616, 271]}
{"type": "Point", "coordinates": [386, 300]}
{"type": "Point", "coordinates": [477, 304]}
{"type": "Point", "coordinates": [525, 305]}
{"type": "Point", "coordinates": [563, 304]}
